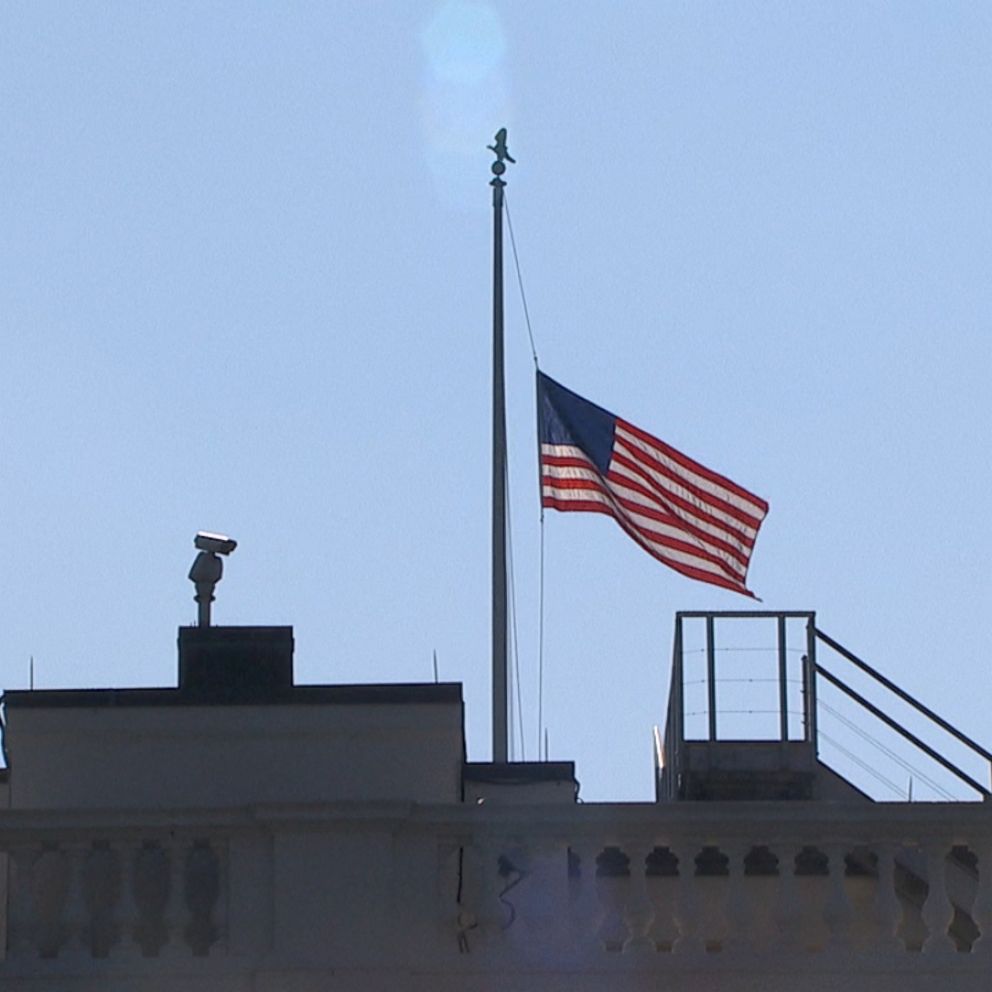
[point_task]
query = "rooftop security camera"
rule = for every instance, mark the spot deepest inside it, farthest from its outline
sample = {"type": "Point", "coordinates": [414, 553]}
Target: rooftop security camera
{"type": "Point", "coordinates": [207, 570]}
{"type": "Point", "coordinates": [219, 543]}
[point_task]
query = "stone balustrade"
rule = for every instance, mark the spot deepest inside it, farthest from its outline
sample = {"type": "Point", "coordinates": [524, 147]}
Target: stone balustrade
{"type": "Point", "coordinates": [555, 889]}
{"type": "Point", "coordinates": [711, 879]}
{"type": "Point", "coordinates": [114, 894]}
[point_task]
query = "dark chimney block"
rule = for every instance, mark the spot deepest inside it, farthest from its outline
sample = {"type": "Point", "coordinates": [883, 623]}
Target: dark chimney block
{"type": "Point", "coordinates": [235, 662]}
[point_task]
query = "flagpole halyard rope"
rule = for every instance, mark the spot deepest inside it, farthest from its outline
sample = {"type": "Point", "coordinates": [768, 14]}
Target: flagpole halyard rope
{"type": "Point", "coordinates": [515, 640]}
{"type": "Point", "coordinates": [540, 645]}
{"type": "Point", "coordinates": [520, 281]}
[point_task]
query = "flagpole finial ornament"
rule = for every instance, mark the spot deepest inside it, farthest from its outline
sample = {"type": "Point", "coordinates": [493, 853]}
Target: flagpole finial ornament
{"type": "Point", "coordinates": [498, 148]}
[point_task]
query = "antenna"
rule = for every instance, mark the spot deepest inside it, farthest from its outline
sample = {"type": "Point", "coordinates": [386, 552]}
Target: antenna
{"type": "Point", "coordinates": [435, 666]}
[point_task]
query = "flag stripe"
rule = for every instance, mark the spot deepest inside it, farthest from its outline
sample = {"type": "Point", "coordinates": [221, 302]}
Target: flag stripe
{"type": "Point", "coordinates": [670, 480]}
{"type": "Point", "coordinates": [581, 484]}
{"type": "Point", "coordinates": [734, 543]}
{"type": "Point", "coordinates": [645, 507]}
{"type": "Point", "coordinates": [737, 560]}
{"type": "Point", "coordinates": [687, 516]}
{"type": "Point", "coordinates": [671, 552]}
{"type": "Point", "coordinates": [688, 570]}
{"type": "Point", "coordinates": [720, 481]}
{"type": "Point", "coordinates": [634, 477]}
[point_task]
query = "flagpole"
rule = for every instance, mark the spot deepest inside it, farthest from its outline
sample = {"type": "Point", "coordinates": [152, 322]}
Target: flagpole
{"type": "Point", "coordinates": [500, 659]}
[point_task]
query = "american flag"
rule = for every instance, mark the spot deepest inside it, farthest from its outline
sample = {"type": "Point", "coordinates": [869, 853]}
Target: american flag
{"type": "Point", "coordinates": [687, 516]}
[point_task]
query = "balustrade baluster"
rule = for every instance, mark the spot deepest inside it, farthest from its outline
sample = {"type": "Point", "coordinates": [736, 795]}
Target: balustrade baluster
{"type": "Point", "coordinates": [689, 940]}
{"type": "Point", "coordinates": [788, 917]}
{"type": "Point", "coordinates": [23, 911]}
{"type": "Point", "coordinates": [837, 911]}
{"type": "Point", "coordinates": [585, 910]}
{"type": "Point", "coordinates": [543, 898]}
{"type": "Point", "coordinates": [888, 912]}
{"type": "Point", "coordinates": [451, 872]}
{"type": "Point", "coordinates": [222, 913]}
{"type": "Point", "coordinates": [938, 911]}
{"type": "Point", "coordinates": [490, 911]}
{"type": "Point", "coordinates": [638, 910]}
{"type": "Point", "coordinates": [981, 911]}
{"type": "Point", "coordinates": [736, 915]}
{"type": "Point", "coordinates": [76, 909]}
{"type": "Point", "coordinates": [662, 884]}
{"type": "Point", "coordinates": [176, 914]}
{"type": "Point", "coordinates": [127, 907]}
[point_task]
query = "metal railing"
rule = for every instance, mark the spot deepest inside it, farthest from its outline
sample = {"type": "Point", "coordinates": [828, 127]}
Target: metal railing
{"type": "Point", "coordinates": [670, 750]}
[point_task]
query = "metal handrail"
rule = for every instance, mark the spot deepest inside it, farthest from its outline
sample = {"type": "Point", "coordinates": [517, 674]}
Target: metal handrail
{"type": "Point", "coordinates": [899, 729]}
{"type": "Point", "coordinates": [910, 700]}
{"type": "Point", "coordinates": [903, 695]}
{"type": "Point", "coordinates": [674, 735]}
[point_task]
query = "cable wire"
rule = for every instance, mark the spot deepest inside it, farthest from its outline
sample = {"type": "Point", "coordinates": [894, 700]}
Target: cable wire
{"type": "Point", "coordinates": [886, 750]}
{"type": "Point", "coordinates": [898, 790]}
{"type": "Point", "coordinates": [540, 607]}
{"type": "Point", "coordinates": [520, 281]}
{"type": "Point", "coordinates": [541, 732]}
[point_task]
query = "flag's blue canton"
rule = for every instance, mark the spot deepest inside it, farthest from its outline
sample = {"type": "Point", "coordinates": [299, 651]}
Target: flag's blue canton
{"type": "Point", "coordinates": [566, 418]}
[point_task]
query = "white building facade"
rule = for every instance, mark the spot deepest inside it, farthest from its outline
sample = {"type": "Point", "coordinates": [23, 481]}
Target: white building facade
{"type": "Point", "coordinates": [243, 833]}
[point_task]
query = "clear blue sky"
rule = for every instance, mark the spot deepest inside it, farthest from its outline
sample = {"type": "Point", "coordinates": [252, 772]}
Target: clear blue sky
{"type": "Point", "coordinates": [244, 286]}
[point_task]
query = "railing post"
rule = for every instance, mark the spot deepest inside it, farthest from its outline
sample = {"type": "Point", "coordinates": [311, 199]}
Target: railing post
{"type": "Point", "coordinates": [783, 680]}
{"type": "Point", "coordinates": [711, 677]}
{"type": "Point", "coordinates": [673, 758]}
{"type": "Point", "coordinates": [810, 677]}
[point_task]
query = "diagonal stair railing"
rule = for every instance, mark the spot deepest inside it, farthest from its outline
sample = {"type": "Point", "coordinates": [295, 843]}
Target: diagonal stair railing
{"type": "Point", "coordinates": [984, 791]}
